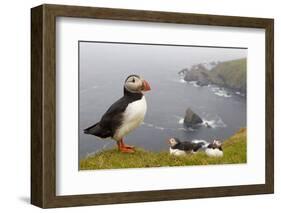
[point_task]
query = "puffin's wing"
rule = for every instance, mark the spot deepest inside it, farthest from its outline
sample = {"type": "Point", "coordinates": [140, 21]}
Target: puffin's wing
{"type": "Point", "coordinates": [110, 121]}
{"type": "Point", "coordinates": [186, 146]}
{"type": "Point", "coordinates": [98, 131]}
{"type": "Point", "coordinates": [197, 146]}
{"type": "Point", "coordinates": [113, 117]}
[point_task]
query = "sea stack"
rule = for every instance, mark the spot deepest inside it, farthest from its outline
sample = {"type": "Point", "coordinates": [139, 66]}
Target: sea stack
{"type": "Point", "coordinates": [191, 119]}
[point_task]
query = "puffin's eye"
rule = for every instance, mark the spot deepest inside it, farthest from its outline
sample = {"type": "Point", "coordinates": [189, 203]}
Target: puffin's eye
{"type": "Point", "coordinates": [133, 80]}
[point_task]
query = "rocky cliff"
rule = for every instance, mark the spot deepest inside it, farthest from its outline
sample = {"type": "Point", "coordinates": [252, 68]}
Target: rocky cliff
{"type": "Point", "coordinates": [229, 74]}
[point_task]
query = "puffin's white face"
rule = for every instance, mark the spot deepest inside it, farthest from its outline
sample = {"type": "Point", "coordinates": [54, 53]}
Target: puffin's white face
{"type": "Point", "coordinates": [135, 83]}
{"type": "Point", "coordinates": [172, 142]}
{"type": "Point", "coordinates": [217, 143]}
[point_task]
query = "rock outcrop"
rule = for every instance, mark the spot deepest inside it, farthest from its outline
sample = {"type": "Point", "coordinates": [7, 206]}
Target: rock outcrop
{"type": "Point", "coordinates": [228, 74]}
{"type": "Point", "coordinates": [191, 119]}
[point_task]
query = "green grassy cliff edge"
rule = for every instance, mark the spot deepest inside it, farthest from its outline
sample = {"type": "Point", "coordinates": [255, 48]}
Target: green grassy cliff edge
{"type": "Point", "coordinates": [235, 152]}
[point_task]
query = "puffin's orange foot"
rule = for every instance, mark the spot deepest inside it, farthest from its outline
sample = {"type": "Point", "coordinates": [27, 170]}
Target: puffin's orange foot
{"type": "Point", "coordinates": [128, 147]}
{"type": "Point", "coordinates": [123, 145]}
{"type": "Point", "coordinates": [126, 150]}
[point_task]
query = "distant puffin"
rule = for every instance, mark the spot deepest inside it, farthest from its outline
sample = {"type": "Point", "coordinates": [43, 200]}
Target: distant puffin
{"type": "Point", "coordinates": [180, 148]}
{"type": "Point", "coordinates": [124, 115]}
{"type": "Point", "coordinates": [214, 149]}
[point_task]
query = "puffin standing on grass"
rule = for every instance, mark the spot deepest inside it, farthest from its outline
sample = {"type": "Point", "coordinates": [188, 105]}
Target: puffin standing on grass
{"type": "Point", "coordinates": [124, 115]}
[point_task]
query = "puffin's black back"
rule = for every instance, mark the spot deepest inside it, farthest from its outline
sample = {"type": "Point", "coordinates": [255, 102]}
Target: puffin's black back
{"type": "Point", "coordinates": [188, 146]}
{"type": "Point", "coordinates": [113, 117]}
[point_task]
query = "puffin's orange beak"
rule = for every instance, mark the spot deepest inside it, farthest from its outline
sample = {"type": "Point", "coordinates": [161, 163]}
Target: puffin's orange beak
{"type": "Point", "coordinates": [145, 86]}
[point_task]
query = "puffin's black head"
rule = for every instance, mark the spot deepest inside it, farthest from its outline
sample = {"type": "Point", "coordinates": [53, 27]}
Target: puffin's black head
{"type": "Point", "coordinates": [173, 141]}
{"type": "Point", "coordinates": [216, 145]}
{"type": "Point", "coordinates": [135, 84]}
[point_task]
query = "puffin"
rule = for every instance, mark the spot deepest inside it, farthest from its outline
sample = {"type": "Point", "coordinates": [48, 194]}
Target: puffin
{"type": "Point", "coordinates": [214, 149]}
{"type": "Point", "coordinates": [180, 148]}
{"type": "Point", "coordinates": [123, 116]}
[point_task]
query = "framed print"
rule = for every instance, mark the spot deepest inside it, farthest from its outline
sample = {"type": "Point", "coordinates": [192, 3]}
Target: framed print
{"type": "Point", "coordinates": [136, 106]}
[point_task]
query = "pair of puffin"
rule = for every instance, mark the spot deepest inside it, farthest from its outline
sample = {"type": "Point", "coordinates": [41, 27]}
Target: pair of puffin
{"type": "Point", "coordinates": [123, 116]}
{"type": "Point", "coordinates": [179, 148]}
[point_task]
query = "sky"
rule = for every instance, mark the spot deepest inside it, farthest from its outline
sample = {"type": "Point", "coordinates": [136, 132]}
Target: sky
{"type": "Point", "coordinates": [176, 57]}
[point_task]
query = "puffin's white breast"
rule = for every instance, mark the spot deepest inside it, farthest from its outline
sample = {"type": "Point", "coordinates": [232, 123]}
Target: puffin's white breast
{"type": "Point", "coordinates": [214, 152]}
{"type": "Point", "coordinates": [177, 152]}
{"type": "Point", "coordinates": [132, 118]}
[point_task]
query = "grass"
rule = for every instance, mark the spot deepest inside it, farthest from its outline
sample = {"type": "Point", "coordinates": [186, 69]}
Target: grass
{"type": "Point", "coordinates": [235, 151]}
{"type": "Point", "coordinates": [231, 74]}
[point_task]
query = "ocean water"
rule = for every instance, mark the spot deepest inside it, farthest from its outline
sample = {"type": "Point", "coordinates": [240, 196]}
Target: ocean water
{"type": "Point", "coordinates": [102, 73]}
